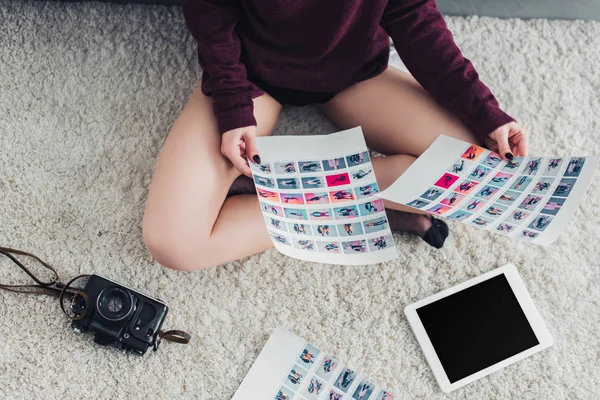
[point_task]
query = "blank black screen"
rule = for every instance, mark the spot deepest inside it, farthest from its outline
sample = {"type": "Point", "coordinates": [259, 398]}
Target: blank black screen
{"type": "Point", "coordinates": [477, 327]}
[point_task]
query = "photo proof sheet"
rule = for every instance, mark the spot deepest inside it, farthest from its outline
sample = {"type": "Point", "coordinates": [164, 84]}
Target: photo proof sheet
{"type": "Point", "coordinates": [289, 368]}
{"type": "Point", "coordinates": [529, 198]}
{"type": "Point", "coordinates": [318, 195]}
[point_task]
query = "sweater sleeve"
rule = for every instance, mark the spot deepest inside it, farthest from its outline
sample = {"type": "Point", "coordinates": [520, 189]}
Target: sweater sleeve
{"type": "Point", "coordinates": [427, 48]}
{"type": "Point", "coordinates": [212, 23]}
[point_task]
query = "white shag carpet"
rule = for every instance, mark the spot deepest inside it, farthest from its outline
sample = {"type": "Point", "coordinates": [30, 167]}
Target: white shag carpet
{"type": "Point", "coordinates": [88, 93]}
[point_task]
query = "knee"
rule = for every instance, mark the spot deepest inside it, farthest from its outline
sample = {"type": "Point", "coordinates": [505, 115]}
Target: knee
{"type": "Point", "coordinates": [172, 249]}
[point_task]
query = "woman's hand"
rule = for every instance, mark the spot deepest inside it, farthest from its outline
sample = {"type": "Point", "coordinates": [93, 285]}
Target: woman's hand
{"type": "Point", "coordinates": [238, 145]}
{"type": "Point", "coordinates": [509, 141]}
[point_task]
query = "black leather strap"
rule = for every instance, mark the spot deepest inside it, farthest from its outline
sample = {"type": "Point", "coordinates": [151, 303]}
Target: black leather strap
{"type": "Point", "coordinates": [55, 288]}
{"type": "Point", "coordinates": [172, 336]}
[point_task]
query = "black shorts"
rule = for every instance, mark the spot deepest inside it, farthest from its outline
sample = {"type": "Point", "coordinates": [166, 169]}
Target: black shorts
{"type": "Point", "coordinates": [291, 97]}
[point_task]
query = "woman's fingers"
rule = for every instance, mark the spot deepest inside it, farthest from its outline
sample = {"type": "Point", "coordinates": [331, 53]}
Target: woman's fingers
{"type": "Point", "coordinates": [501, 137]}
{"type": "Point", "coordinates": [232, 152]}
{"type": "Point", "coordinates": [523, 144]}
{"type": "Point", "coordinates": [233, 146]}
{"type": "Point", "coordinates": [251, 150]}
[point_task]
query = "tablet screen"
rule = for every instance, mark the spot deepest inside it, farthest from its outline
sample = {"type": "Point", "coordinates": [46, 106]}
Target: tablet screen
{"type": "Point", "coordinates": [477, 327]}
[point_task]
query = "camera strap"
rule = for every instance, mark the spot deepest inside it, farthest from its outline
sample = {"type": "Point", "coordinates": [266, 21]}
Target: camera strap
{"type": "Point", "coordinates": [54, 287]}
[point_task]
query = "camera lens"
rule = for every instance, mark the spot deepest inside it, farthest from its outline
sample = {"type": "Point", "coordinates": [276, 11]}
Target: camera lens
{"type": "Point", "coordinates": [114, 304]}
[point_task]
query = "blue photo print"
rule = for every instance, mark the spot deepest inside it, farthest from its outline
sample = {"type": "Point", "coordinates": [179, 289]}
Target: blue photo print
{"type": "Point", "coordinates": [479, 173]}
{"type": "Point", "coordinates": [540, 222]}
{"type": "Point", "coordinates": [432, 193]}
{"type": "Point", "coordinates": [492, 160]}
{"type": "Point", "coordinates": [459, 166]}
{"type": "Point", "coordinates": [553, 206]}
{"type": "Point", "coordinates": [513, 165]}
{"type": "Point", "coordinates": [322, 213]}
{"type": "Point", "coordinates": [533, 166]}
{"type": "Point", "coordinates": [418, 203]}
{"type": "Point", "coordinates": [271, 209]}
{"type": "Point", "coordinates": [309, 166]}
{"type": "Point", "coordinates": [264, 168]}
{"type": "Point", "coordinates": [376, 225]}
{"type": "Point", "coordinates": [371, 207]}
{"type": "Point", "coordinates": [357, 159]}
{"type": "Point", "coordinates": [363, 390]}
{"type": "Point", "coordinates": [313, 182]}
{"type": "Point", "coordinates": [505, 228]}
{"type": "Point", "coordinates": [481, 221]}
{"type": "Point", "coordinates": [530, 202]}
{"type": "Point", "coordinates": [285, 167]}
{"type": "Point", "coordinates": [500, 179]}
{"type": "Point", "coordinates": [329, 247]}
{"type": "Point", "coordinates": [529, 235]}
{"type": "Point", "coordinates": [296, 376]}
{"type": "Point", "coordinates": [345, 212]}
{"type": "Point", "coordinates": [304, 244]}
{"type": "Point", "coordinates": [361, 174]}
{"type": "Point", "coordinates": [334, 164]}
{"type": "Point", "coordinates": [495, 210]}
{"type": "Point", "coordinates": [521, 183]}
{"type": "Point", "coordinates": [295, 213]}
{"type": "Point", "coordinates": [385, 395]}
{"type": "Point", "coordinates": [327, 367]}
{"type": "Point", "coordinates": [325, 230]}
{"type": "Point", "coordinates": [487, 192]}
{"type": "Point", "coordinates": [276, 224]}
{"type": "Point", "coordinates": [264, 181]}
{"type": "Point", "coordinates": [284, 394]}
{"type": "Point", "coordinates": [280, 239]}
{"type": "Point", "coordinates": [350, 229]}
{"type": "Point", "coordinates": [313, 389]}
{"type": "Point", "coordinates": [565, 187]}
{"type": "Point", "coordinates": [459, 215]}
{"type": "Point", "coordinates": [366, 191]}
{"type": "Point", "coordinates": [288, 183]}
{"type": "Point", "coordinates": [354, 246]}
{"type": "Point", "coordinates": [517, 216]}
{"type": "Point", "coordinates": [552, 167]}
{"type": "Point", "coordinates": [574, 167]}
{"type": "Point", "coordinates": [345, 379]}
{"type": "Point", "coordinates": [300, 229]}
{"type": "Point", "coordinates": [308, 356]}
{"type": "Point", "coordinates": [507, 198]}
{"type": "Point", "coordinates": [381, 242]}
{"type": "Point", "coordinates": [542, 186]}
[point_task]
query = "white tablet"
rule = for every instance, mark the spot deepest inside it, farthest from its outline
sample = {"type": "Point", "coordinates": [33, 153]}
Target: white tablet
{"type": "Point", "coordinates": [477, 327]}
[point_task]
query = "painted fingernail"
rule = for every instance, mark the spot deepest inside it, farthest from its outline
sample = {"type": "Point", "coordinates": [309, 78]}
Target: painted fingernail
{"type": "Point", "coordinates": [256, 159]}
{"type": "Point", "coordinates": [509, 156]}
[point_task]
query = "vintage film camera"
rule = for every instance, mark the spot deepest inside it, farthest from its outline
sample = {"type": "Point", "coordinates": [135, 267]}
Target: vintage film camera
{"type": "Point", "coordinates": [118, 315]}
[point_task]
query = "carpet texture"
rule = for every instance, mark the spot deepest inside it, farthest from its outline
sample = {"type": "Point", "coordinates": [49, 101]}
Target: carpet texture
{"type": "Point", "coordinates": [88, 93]}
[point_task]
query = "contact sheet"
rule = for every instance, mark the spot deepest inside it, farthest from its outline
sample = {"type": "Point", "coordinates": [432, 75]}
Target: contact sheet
{"type": "Point", "coordinates": [527, 198]}
{"type": "Point", "coordinates": [321, 202]}
{"type": "Point", "coordinates": [318, 195]}
{"type": "Point", "coordinates": [289, 368]}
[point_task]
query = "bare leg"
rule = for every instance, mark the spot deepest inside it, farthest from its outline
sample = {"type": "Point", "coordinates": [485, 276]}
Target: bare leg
{"type": "Point", "coordinates": [396, 114]}
{"type": "Point", "coordinates": [399, 119]}
{"type": "Point", "coordinates": [189, 223]}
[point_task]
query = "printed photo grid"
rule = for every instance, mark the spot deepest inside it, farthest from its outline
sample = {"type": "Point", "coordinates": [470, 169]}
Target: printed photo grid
{"type": "Point", "coordinates": [327, 206]}
{"type": "Point", "coordinates": [517, 198]}
{"type": "Point", "coordinates": [315, 375]}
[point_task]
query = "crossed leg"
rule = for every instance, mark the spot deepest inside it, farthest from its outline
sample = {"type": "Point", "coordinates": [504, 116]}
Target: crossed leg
{"type": "Point", "coordinates": [190, 224]}
{"type": "Point", "coordinates": [398, 118]}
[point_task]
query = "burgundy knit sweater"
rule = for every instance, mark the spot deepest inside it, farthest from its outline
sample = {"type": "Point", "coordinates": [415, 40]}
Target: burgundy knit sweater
{"type": "Point", "coordinates": [326, 46]}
